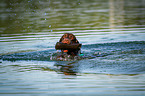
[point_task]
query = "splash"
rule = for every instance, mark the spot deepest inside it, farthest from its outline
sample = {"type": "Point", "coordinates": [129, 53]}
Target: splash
{"type": "Point", "coordinates": [118, 50]}
{"type": "Point", "coordinates": [65, 57]}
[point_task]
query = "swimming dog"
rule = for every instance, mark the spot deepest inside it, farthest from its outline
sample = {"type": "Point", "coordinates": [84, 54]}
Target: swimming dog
{"type": "Point", "coordinates": [70, 39]}
{"type": "Point", "coordinates": [69, 46]}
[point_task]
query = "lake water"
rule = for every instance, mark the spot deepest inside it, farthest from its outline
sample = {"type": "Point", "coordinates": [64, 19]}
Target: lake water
{"type": "Point", "coordinates": [112, 33]}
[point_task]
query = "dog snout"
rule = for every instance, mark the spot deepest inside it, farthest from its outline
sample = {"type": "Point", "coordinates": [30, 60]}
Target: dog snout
{"type": "Point", "coordinates": [66, 41]}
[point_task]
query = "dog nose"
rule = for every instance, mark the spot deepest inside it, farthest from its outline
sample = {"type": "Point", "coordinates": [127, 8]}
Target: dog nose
{"type": "Point", "coordinates": [66, 41]}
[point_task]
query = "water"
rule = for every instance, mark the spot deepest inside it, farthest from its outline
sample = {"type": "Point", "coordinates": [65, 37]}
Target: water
{"type": "Point", "coordinates": [113, 43]}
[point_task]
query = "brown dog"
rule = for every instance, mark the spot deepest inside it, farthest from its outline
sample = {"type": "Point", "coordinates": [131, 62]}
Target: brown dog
{"type": "Point", "coordinates": [69, 38]}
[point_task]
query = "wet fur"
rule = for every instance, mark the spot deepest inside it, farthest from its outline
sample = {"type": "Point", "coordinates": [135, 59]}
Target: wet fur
{"type": "Point", "coordinates": [73, 40]}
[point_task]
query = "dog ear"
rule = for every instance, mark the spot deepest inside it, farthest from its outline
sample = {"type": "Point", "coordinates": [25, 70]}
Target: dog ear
{"type": "Point", "coordinates": [61, 39]}
{"type": "Point", "coordinates": [77, 41]}
{"type": "Point", "coordinates": [74, 38]}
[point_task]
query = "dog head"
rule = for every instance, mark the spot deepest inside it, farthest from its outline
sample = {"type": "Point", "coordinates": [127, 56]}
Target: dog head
{"type": "Point", "coordinates": [68, 38]}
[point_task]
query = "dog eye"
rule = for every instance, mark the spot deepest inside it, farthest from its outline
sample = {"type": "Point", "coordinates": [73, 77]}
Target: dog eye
{"type": "Point", "coordinates": [71, 37]}
{"type": "Point", "coordinates": [65, 36]}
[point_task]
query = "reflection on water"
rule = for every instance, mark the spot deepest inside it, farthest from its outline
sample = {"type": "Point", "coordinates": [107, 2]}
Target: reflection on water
{"type": "Point", "coordinates": [47, 16]}
{"type": "Point", "coordinates": [67, 69]}
{"type": "Point", "coordinates": [113, 38]}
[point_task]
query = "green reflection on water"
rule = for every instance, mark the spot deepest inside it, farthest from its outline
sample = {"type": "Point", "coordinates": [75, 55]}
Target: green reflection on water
{"type": "Point", "coordinates": [54, 16]}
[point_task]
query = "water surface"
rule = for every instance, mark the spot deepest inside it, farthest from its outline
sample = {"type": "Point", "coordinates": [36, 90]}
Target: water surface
{"type": "Point", "coordinates": [113, 43]}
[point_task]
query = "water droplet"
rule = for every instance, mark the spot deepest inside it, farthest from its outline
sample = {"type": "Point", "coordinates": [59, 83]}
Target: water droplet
{"type": "Point", "coordinates": [45, 18]}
